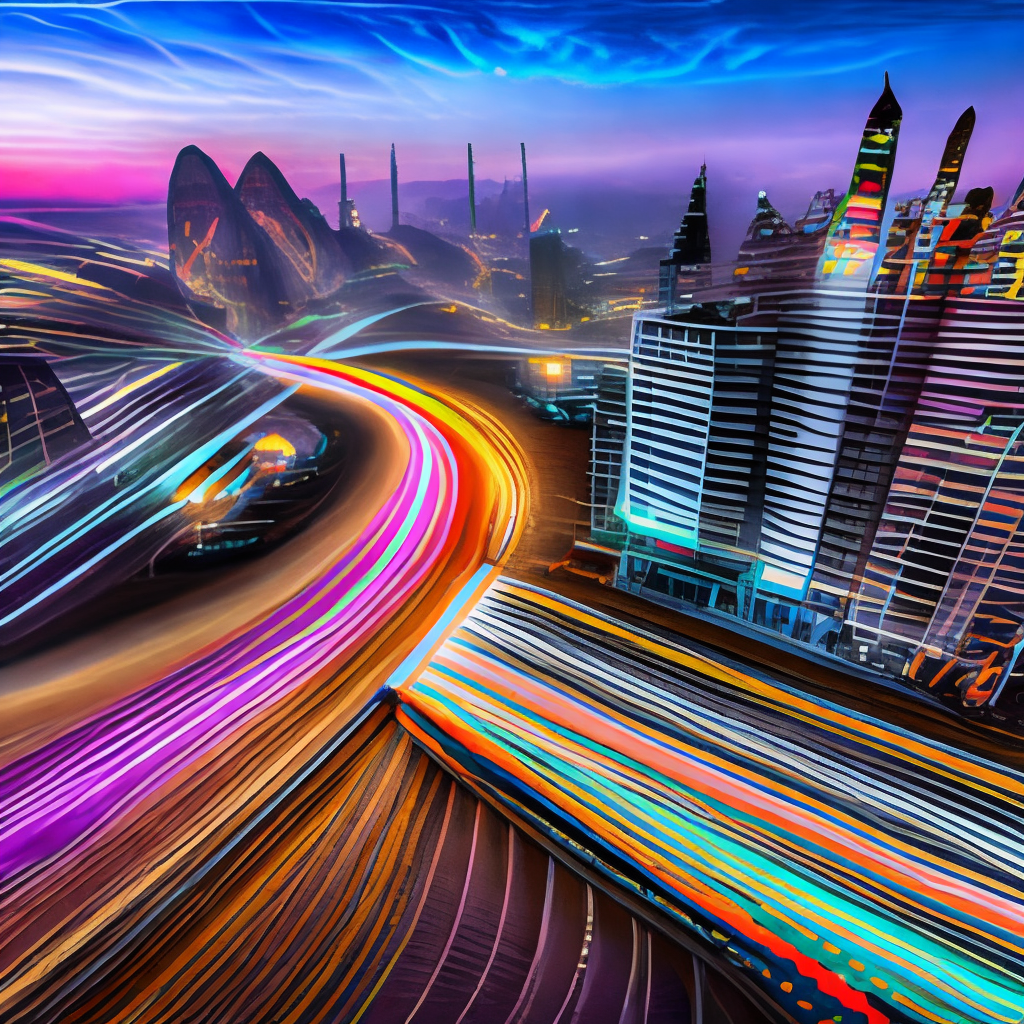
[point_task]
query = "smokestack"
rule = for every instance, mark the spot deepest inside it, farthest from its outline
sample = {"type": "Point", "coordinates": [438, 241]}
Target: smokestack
{"type": "Point", "coordinates": [472, 192]}
{"type": "Point", "coordinates": [526, 192]}
{"type": "Point", "coordinates": [344, 220]}
{"type": "Point", "coordinates": [394, 189]}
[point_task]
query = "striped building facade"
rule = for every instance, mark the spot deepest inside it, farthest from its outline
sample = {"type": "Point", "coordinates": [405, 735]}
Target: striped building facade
{"type": "Point", "coordinates": [839, 459]}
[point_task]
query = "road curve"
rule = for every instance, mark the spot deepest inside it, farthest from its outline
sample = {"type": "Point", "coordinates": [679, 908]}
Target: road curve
{"type": "Point", "coordinates": [46, 694]}
{"type": "Point", "coordinates": [198, 748]}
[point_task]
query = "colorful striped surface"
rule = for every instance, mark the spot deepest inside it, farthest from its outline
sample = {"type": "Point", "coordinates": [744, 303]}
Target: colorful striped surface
{"type": "Point", "coordinates": [104, 814]}
{"type": "Point", "coordinates": [856, 871]}
{"type": "Point", "coordinates": [377, 889]}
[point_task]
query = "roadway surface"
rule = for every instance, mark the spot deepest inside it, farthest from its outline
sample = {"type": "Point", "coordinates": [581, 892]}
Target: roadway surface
{"type": "Point", "coordinates": [113, 809]}
{"type": "Point", "coordinates": [46, 693]}
{"type": "Point", "coordinates": [856, 871]}
{"type": "Point", "coordinates": [560, 493]}
{"type": "Point", "coordinates": [127, 823]}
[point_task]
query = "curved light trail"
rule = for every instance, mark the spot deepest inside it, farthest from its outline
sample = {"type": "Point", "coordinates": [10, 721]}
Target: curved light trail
{"type": "Point", "coordinates": [856, 871]}
{"type": "Point", "coordinates": [428, 539]}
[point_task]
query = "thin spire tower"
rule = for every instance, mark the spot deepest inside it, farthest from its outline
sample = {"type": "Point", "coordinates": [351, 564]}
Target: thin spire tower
{"type": "Point", "coordinates": [394, 189]}
{"type": "Point", "coordinates": [526, 192]}
{"type": "Point", "coordinates": [472, 191]}
{"type": "Point", "coordinates": [344, 216]}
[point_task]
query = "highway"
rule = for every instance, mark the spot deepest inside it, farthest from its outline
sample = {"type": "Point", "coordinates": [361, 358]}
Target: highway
{"type": "Point", "coordinates": [369, 777]}
{"type": "Point", "coordinates": [78, 824]}
{"type": "Point", "coordinates": [48, 692]}
{"type": "Point", "coordinates": [159, 393]}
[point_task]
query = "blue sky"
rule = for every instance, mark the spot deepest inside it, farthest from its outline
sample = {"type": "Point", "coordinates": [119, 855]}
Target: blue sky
{"type": "Point", "coordinates": [99, 97]}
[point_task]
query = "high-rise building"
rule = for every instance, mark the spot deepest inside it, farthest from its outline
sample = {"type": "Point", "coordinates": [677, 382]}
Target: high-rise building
{"type": "Point", "coordinates": [472, 188]}
{"type": "Point", "coordinates": [668, 403]}
{"type": "Point", "coordinates": [772, 250]}
{"type": "Point", "coordinates": [956, 479]}
{"type": "Point", "coordinates": [348, 217]}
{"type": "Point", "coordinates": [688, 266]}
{"type": "Point", "coordinates": [902, 268]}
{"type": "Point", "coordinates": [855, 233]}
{"type": "Point", "coordinates": [548, 280]}
{"type": "Point", "coordinates": [996, 266]}
{"type": "Point", "coordinates": [394, 189]}
{"type": "Point", "coordinates": [607, 440]}
{"type": "Point", "coordinates": [838, 460]}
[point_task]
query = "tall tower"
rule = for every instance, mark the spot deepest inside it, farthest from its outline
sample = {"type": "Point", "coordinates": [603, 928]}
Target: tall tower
{"type": "Point", "coordinates": [855, 233]}
{"type": "Point", "coordinates": [949, 169]}
{"type": "Point", "coordinates": [344, 209]}
{"type": "Point", "coordinates": [911, 238]}
{"type": "Point", "coordinates": [526, 192]}
{"type": "Point", "coordinates": [688, 265]}
{"type": "Point", "coordinates": [472, 190]}
{"type": "Point", "coordinates": [394, 189]}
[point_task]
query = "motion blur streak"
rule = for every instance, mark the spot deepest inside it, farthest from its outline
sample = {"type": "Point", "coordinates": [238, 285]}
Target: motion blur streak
{"type": "Point", "coordinates": [407, 897]}
{"type": "Point", "coordinates": [855, 870]}
{"type": "Point", "coordinates": [76, 811]}
{"type": "Point", "coordinates": [59, 794]}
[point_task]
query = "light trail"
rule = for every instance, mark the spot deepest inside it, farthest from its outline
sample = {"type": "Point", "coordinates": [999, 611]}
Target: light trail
{"type": "Point", "coordinates": [54, 798]}
{"type": "Point", "coordinates": [855, 870]}
{"type": "Point", "coordinates": [65, 803]}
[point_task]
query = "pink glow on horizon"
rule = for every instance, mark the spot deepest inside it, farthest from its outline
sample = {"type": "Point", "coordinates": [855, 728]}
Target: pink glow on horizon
{"type": "Point", "coordinates": [744, 153]}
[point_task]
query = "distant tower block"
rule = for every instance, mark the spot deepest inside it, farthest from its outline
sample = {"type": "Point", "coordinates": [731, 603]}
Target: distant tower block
{"type": "Point", "coordinates": [472, 191]}
{"type": "Point", "coordinates": [526, 193]}
{"type": "Point", "coordinates": [346, 207]}
{"type": "Point", "coordinates": [547, 280]}
{"type": "Point", "coordinates": [394, 189]}
{"type": "Point", "coordinates": [854, 236]}
{"type": "Point", "coordinates": [688, 265]}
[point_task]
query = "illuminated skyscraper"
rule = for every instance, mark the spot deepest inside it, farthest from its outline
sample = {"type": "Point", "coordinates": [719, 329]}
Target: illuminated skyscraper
{"type": "Point", "coordinates": [688, 266]}
{"type": "Point", "coordinates": [841, 465]}
{"type": "Point", "coordinates": [901, 271]}
{"type": "Point", "coordinates": [855, 232]}
{"type": "Point", "coordinates": [996, 265]}
{"type": "Point", "coordinates": [941, 193]}
{"type": "Point", "coordinates": [668, 401]}
{"type": "Point", "coordinates": [945, 270]}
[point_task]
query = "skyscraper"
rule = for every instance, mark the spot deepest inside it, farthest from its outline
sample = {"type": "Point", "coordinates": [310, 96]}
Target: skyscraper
{"type": "Point", "coordinates": [548, 280]}
{"type": "Point", "coordinates": [841, 463]}
{"type": "Point", "coordinates": [996, 265]}
{"type": "Point", "coordinates": [901, 270]}
{"type": "Point", "coordinates": [855, 232]}
{"type": "Point", "coordinates": [688, 266]}
{"type": "Point", "coordinates": [668, 402]}
{"type": "Point", "coordinates": [526, 193]}
{"type": "Point", "coordinates": [347, 216]}
{"type": "Point", "coordinates": [472, 189]}
{"type": "Point", "coordinates": [609, 435]}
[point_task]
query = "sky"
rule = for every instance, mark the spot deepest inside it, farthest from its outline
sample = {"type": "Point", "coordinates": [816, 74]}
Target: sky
{"type": "Point", "coordinates": [96, 99]}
